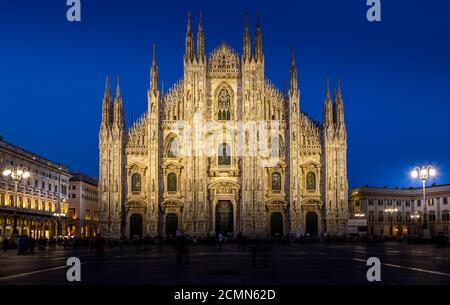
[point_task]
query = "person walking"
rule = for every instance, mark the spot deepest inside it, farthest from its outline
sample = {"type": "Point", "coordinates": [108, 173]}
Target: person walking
{"type": "Point", "coordinates": [99, 247]}
{"type": "Point", "coordinates": [5, 244]}
{"type": "Point", "coordinates": [240, 241]}
{"type": "Point", "coordinates": [220, 240]}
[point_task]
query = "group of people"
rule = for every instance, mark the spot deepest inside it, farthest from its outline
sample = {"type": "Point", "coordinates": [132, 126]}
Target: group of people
{"type": "Point", "coordinates": [26, 244]}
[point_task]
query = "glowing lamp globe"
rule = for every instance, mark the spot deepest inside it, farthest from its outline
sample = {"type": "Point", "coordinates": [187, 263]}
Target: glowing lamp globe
{"type": "Point", "coordinates": [432, 172]}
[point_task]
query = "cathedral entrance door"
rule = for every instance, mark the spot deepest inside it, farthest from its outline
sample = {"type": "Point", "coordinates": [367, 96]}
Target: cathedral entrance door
{"type": "Point", "coordinates": [171, 224]}
{"type": "Point", "coordinates": [224, 217]}
{"type": "Point", "coordinates": [135, 226]}
{"type": "Point", "coordinates": [311, 223]}
{"type": "Point", "coordinates": [276, 224]}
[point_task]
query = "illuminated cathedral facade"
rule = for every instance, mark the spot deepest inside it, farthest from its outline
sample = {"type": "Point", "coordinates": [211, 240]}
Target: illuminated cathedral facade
{"type": "Point", "coordinates": [223, 150]}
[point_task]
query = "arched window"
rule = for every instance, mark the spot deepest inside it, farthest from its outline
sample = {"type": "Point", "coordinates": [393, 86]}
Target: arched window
{"type": "Point", "coordinates": [172, 182]}
{"type": "Point", "coordinates": [136, 182]}
{"type": "Point", "coordinates": [380, 216]}
{"type": "Point", "coordinates": [399, 217]}
{"type": "Point", "coordinates": [276, 182]}
{"type": "Point", "coordinates": [310, 181]}
{"type": "Point", "coordinates": [371, 216]}
{"type": "Point", "coordinates": [432, 216]}
{"type": "Point", "coordinates": [445, 215]}
{"type": "Point", "coordinates": [224, 154]}
{"type": "Point", "coordinates": [224, 105]}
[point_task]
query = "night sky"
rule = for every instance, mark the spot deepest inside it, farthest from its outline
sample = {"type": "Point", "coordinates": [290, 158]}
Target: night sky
{"type": "Point", "coordinates": [395, 74]}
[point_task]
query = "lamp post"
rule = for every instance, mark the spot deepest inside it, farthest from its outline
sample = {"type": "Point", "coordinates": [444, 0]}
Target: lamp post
{"type": "Point", "coordinates": [415, 218]}
{"type": "Point", "coordinates": [17, 174]}
{"type": "Point", "coordinates": [59, 215]}
{"type": "Point", "coordinates": [423, 174]}
{"type": "Point", "coordinates": [391, 212]}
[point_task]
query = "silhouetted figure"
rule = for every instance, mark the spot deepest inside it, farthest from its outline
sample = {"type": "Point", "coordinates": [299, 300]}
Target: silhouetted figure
{"type": "Point", "coordinates": [5, 244]}
{"type": "Point", "coordinates": [99, 247]}
{"type": "Point", "coordinates": [220, 240]}
{"type": "Point", "coordinates": [179, 246]}
{"type": "Point", "coordinates": [146, 242]}
{"type": "Point", "coordinates": [240, 241]}
{"type": "Point", "coordinates": [158, 242]}
{"type": "Point", "coordinates": [32, 245]}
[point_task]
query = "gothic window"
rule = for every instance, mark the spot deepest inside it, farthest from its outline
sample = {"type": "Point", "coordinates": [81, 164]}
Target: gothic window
{"type": "Point", "coordinates": [172, 182]}
{"type": "Point", "coordinates": [136, 182]}
{"type": "Point", "coordinates": [371, 216]}
{"type": "Point", "coordinates": [276, 182]}
{"type": "Point", "coordinates": [224, 154]}
{"type": "Point", "coordinates": [224, 105]}
{"type": "Point", "coordinates": [310, 181]}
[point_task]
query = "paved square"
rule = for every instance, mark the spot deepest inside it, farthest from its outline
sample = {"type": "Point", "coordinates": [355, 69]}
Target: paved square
{"type": "Point", "coordinates": [280, 265]}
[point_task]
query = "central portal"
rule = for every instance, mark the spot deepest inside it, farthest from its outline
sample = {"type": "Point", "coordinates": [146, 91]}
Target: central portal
{"type": "Point", "coordinates": [224, 217]}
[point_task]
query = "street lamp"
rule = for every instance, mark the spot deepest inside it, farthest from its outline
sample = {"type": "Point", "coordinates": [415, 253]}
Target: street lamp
{"type": "Point", "coordinates": [415, 218]}
{"type": "Point", "coordinates": [16, 173]}
{"type": "Point", "coordinates": [423, 174]}
{"type": "Point", "coordinates": [360, 215]}
{"type": "Point", "coordinates": [59, 215]}
{"type": "Point", "coordinates": [390, 212]}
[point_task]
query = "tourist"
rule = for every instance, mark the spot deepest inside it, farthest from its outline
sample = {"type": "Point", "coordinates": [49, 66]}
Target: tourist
{"type": "Point", "coordinates": [219, 240]}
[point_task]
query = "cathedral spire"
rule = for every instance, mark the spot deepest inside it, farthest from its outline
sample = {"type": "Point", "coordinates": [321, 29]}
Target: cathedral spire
{"type": "Point", "coordinates": [118, 96]}
{"type": "Point", "coordinates": [293, 82]}
{"type": "Point", "coordinates": [107, 104]}
{"type": "Point", "coordinates": [189, 45]}
{"type": "Point", "coordinates": [338, 107]}
{"type": "Point", "coordinates": [246, 52]}
{"type": "Point", "coordinates": [200, 41]}
{"type": "Point", "coordinates": [257, 51]}
{"type": "Point", "coordinates": [154, 72]}
{"type": "Point", "coordinates": [328, 108]}
{"type": "Point", "coordinates": [118, 121]}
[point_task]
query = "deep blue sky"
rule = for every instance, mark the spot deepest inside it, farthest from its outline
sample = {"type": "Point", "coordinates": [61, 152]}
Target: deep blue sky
{"type": "Point", "coordinates": [395, 74]}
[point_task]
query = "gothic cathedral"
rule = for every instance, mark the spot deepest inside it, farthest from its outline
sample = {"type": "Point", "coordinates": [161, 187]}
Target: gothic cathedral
{"type": "Point", "coordinates": [222, 150]}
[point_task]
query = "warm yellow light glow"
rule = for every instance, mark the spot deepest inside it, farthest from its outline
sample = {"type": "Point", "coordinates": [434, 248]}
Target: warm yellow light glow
{"type": "Point", "coordinates": [423, 172]}
{"type": "Point", "coordinates": [19, 172]}
{"type": "Point", "coordinates": [6, 172]}
{"type": "Point", "coordinates": [26, 175]}
{"type": "Point", "coordinates": [414, 173]}
{"type": "Point", "coordinates": [432, 172]}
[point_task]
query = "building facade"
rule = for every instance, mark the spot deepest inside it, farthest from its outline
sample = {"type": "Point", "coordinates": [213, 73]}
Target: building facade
{"type": "Point", "coordinates": [223, 150]}
{"type": "Point", "coordinates": [399, 212]}
{"type": "Point", "coordinates": [83, 205]}
{"type": "Point", "coordinates": [31, 209]}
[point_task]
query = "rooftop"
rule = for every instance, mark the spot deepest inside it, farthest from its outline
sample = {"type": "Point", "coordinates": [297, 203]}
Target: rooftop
{"type": "Point", "coordinates": [32, 156]}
